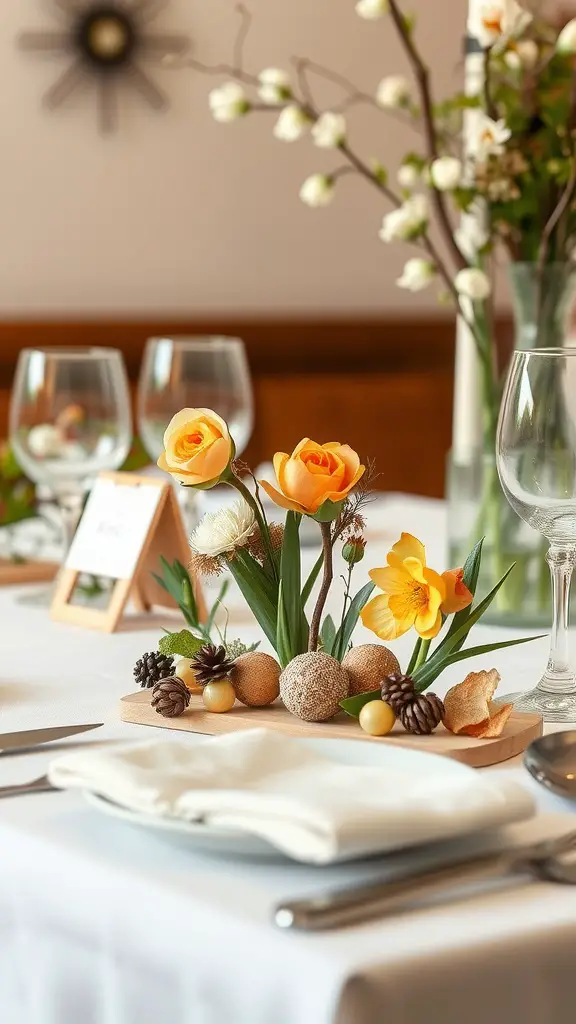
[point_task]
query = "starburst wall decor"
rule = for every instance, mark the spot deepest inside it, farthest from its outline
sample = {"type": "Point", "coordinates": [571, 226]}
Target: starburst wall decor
{"type": "Point", "coordinates": [108, 42]}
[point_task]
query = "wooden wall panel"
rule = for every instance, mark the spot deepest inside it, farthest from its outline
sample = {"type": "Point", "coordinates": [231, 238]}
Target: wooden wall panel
{"type": "Point", "coordinates": [381, 385]}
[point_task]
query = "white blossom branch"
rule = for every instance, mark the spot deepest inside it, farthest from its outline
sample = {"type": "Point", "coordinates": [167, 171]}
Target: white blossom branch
{"type": "Point", "coordinates": [422, 77]}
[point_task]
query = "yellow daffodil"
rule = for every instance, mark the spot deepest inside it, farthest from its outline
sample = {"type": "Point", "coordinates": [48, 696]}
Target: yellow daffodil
{"type": "Point", "coordinates": [413, 594]}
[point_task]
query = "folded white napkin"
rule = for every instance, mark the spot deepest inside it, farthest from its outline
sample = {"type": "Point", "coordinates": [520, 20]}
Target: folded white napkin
{"type": "Point", "coordinates": [311, 808]}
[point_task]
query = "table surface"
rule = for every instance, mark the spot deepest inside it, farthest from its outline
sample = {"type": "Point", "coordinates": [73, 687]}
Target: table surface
{"type": "Point", "coordinates": [103, 923]}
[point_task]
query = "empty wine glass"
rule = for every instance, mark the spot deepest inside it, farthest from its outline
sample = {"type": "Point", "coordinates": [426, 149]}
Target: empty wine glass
{"type": "Point", "coordinates": [69, 420]}
{"type": "Point", "coordinates": [197, 373]}
{"type": "Point", "coordinates": [536, 454]}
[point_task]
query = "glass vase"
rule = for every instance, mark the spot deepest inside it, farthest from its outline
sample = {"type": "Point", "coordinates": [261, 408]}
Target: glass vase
{"type": "Point", "coordinates": [543, 306]}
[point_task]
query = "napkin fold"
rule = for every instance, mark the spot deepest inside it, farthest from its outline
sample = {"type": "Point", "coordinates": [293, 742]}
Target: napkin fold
{"type": "Point", "coordinates": [309, 807]}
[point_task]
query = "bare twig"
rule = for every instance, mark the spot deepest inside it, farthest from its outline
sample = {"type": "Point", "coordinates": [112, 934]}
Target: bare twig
{"type": "Point", "coordinates": [553, 221]}
{"type": "Point", "coordinates": [488, 102]}
{"type": "Point", "coordinates": [300, 65]}
{"type": "Point", "coordinates": [421, 75]}
{"type": "Point", "coordinates": [332, 76]}
{"type": "Point", "coordinates": [342, 171]}
{"type": "Point", "coordinates": [222, 69]}
{"type": "Point", "coordinates": [245, 25]}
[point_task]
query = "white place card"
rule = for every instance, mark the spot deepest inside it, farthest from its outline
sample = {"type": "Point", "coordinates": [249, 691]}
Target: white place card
{"type": "Point", "coordinates": [114, 528]}
{"type": "Point", "coordinates": [128, 524]}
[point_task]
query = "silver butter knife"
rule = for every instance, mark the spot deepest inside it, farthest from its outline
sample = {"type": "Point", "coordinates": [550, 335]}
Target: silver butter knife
{"type": "Point", "coordinates": [343, 907]}
{"type": "Point", "coordinates": [29, 739]}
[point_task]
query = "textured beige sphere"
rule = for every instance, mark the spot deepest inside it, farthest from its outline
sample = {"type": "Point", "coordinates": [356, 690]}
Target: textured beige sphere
{"type": "Point", "coordinates": [313, 685]}
{"type": "Point", "coordinates": [219, 697]}
{"type": "Point", "coordinates": [256, 679]}
{"type": "Point", "coordinates": [377, 718]}
{"type": "Point", "coordinates": [186, 673]}
{"type": "Point", "coordinates": [367, 666]}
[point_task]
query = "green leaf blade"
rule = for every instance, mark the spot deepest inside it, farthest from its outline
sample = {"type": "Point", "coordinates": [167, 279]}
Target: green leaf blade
{"type": "Point", "coordinates": [344, 634]}
{"type": "Point", "coordinates": [425, 680]}
{"type": "Point", "coordinates": [328, 634]}
{"type": "Point", "coordinates": [455, 641]}
{"type": "Point", "coordinates": [353, 705]}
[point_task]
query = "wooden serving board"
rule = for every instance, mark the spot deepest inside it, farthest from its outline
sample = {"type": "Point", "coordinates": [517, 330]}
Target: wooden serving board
{"type": "Point", "coordinates": [29, 571]}
{"type": "Point", "coordinates": [519, 732]}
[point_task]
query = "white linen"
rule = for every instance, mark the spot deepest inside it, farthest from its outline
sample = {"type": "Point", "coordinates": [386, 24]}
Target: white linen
{"type": "Point", "coordinates": [309, 807]}
{"type": "Point", "coordinates": [102, 923]}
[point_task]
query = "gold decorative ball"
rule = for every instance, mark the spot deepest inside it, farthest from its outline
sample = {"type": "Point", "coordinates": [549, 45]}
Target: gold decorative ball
{"type": "Point", "coordinates": [377, 718]}
{"type": "Point", "coordinates": [313, 685]}
{"type": "Point", "coordinates": [219, 697]}
{"type": "Point", "coordinates": [367, 666]}
{"type": "Point", "coordinates": [256, 679]}
{"type": "Point", "coordinates": [186, 673]}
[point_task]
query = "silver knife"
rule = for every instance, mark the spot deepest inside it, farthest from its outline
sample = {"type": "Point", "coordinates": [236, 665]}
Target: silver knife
{"type": "Point", "coordinates": [29, 739]}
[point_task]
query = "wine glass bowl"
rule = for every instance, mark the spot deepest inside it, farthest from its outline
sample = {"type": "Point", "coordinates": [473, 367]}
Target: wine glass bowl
{"type": "Point", "coordinates": [198, 373]}
{"type": "Point", "coordinates": [194, 373]}
{"type": "Point", "coordinates": [536, 456]}
{"type": "Point", "coordinates": [70, 419]}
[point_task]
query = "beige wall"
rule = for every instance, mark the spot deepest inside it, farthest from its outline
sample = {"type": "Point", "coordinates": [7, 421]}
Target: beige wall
{"type": "Point", "coordinates": [179, 214]}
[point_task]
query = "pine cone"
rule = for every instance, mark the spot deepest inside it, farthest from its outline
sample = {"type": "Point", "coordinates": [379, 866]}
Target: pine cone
{"type": "Point", "coordinates": [397, 689]}
{"type": "Point", "coordinates": [211, 664]}
{"type": "Point", "coordinates": [153, 667]}
{"type": "Point", "coordinates": [422, 714]}
{"type": "Point", "coordinates": [170, 697]}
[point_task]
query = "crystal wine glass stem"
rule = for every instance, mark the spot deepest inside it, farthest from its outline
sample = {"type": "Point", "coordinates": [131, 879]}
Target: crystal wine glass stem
{"type": "Point", "coordinates": [70, 505]}
{"type": "Point", "coordinates": [559, 676]}
{"type": "Point", "coordinates": [190, 509]}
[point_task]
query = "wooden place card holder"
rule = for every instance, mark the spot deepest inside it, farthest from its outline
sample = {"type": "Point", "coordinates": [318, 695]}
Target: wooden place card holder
{"type": "Point", "coordinates": [129, 521]}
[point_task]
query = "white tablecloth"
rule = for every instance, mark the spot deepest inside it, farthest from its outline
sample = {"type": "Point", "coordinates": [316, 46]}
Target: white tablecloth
{"type": "Point", "coordinates": [101, 923]}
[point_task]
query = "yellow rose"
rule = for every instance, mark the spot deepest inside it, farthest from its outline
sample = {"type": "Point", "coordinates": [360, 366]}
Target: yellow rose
{"type": "Point", "coordinates": [313, 474]}
{"type": "Point", "coordinates": [198, 447]}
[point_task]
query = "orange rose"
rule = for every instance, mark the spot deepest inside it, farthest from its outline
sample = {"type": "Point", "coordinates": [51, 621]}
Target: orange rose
{"type": "Point", "coordinates": [458, 596]}
{"type": "Point", "coordinates": [313, 474]}
{"type": "Point", "coordinates": [198, 447]}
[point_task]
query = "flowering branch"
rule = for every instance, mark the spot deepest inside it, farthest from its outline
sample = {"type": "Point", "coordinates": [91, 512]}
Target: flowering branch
{"type": "Point", "coordinates": [302, 65]}
{"type": "Point", "coordinates": [410, 220]}
{"type": "Point", "coordinates": [422, 77]}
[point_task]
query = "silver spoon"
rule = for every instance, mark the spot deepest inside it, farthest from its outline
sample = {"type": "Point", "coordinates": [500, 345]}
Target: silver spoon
{"type": "Point", "coordinates": [551, 760]}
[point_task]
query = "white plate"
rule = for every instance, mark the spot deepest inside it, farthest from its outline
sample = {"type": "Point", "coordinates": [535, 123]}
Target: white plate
{"type": "Point", "coordinates": [210, 838]}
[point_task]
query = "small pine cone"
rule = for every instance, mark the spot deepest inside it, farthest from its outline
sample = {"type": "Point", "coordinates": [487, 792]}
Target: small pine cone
{"type": "Point", "coordinates": [211, 664]}
{"type": "Point", "coordinates": [397, 689]}
{"type": "Point", "coordinates": [422, 714]}
{"type": "Point", "coordinates": [153, 667]}
{"type": "Point", "coordinates": [170, 697]}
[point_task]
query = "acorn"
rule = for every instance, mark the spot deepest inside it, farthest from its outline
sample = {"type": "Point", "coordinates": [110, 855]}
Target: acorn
{"type": "Point", "coordinates": [367, 666]}
{"type": "Point", "coordinates": [312, 686]}
{"type": "Point", "coordinates": [255, 677]}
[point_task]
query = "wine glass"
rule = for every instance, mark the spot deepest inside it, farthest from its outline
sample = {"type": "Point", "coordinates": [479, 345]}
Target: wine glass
{"type": "Point", "coordinates": [197, 373]}
{"type": "Point", "coordinates": [69, 420]}
{"type": "Point", "coordinates": [536, 455]}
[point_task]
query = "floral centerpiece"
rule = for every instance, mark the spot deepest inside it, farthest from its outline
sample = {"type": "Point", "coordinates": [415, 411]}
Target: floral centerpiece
{"type": "Point", "coordinates": [493, 170]}
{"type": "Point", "coordinates": [316, 670]}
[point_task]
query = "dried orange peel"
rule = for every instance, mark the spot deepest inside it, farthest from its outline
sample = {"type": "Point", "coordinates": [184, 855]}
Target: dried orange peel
{"type": "Point", "coordinates": [470, 709]}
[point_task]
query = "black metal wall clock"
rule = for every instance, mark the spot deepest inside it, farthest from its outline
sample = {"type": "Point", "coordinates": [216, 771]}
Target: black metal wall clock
{"type": "Point", "coordinates": [108, 42]}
